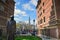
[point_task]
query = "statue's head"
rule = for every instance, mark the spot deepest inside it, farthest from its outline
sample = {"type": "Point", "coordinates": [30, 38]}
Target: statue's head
{"type": "Point", "coordinates": [12, 17]}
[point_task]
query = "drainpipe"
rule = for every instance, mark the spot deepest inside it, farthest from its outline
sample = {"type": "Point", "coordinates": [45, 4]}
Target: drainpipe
{"type": "Point", "coordinates": [56, 18]}
{"type": "Point", "coordinates": [55, 9]}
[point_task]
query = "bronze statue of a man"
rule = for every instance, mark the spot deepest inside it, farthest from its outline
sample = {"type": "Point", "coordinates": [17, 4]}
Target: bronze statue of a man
{"type": "Point", "coordinates": [11, 28]}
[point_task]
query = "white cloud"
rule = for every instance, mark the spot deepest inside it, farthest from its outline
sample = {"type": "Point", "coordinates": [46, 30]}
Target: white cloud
{"type": "Point", "coordinates": [27, 7]}
{"type": "Point", "coordinates": [18, 3]}
{"type": "Point", "coordinates": [17, 16]}
{"type": "Point", "coordinates": [17, 19]}
{"type": "Point", "coordinates": [31, 22]}
{"type": "Point", "coordinates": [26, 22]}
{"type": "Point", "coordinates": [15, 7]}
{"type": "Point", "coordinates": [35, 21]}
{"type": "Point", "coordinates": [34, 2]}
{"type": "Point", "coordinates": [18, 11]}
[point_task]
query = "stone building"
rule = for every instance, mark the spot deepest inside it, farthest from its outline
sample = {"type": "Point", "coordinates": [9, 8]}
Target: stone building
{"type": "Point", "coordinates": [6, 10]}
{"type": "Point", "coordinates": [48, 18]}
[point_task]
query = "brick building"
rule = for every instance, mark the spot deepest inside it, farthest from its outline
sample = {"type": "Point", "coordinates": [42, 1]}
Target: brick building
{"type": "Point", "coordinates": [48, 18]}
{"type": "Point", "coordinates": [6, 10]}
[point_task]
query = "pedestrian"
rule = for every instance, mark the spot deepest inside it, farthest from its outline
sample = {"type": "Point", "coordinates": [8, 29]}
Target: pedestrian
{"type": "Point", "coordinates": [11, 28]}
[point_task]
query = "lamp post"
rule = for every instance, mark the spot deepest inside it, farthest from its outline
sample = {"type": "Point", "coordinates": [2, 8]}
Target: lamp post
{"type": "Point", "coordinates": [34, 23]}
{"type": "Point", "coordinates": [34, 26]}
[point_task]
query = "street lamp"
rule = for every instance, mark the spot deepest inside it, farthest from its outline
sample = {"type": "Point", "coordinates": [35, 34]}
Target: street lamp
{"type": "Point", "coordinates": [34, 23]}
{"type": "Point", "coordinates": [34, 26]}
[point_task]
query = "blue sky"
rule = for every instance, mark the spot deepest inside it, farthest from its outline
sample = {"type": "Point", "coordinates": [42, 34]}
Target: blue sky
{"type": "Point", "coordinates": [24, 9]}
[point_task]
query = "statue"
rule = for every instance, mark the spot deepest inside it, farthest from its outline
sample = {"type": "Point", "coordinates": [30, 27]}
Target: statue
{"type": "Point", "coordinates": [11, 28]}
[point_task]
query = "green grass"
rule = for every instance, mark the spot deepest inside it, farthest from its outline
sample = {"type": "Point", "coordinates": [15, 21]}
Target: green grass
{"type": "Point", "coordinates": [27, 38]}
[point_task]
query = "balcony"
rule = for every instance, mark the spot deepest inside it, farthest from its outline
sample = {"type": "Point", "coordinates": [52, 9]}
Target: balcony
{"type": "Point", "coordinates": [52, 22]}
{"type": "Point", "coordinates": [52, 12]}
{"type": "Point", "coordinates": [52, 18]}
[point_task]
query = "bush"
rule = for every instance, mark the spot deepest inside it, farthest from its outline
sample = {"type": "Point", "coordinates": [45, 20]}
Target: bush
{"type": "Point", "coordinates": [27, 38]}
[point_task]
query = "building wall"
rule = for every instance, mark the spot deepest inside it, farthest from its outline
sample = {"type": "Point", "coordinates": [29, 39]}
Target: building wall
{"type": "Point", "coordinates": [57, 3]}
{"type": "Point", "coordinates": [53, 32]}
{"type": "Point", "coordinates": [6, 10]}
{"type": "Point", "coordinates": [50, 10]}
{"type": "Point", "coordinates": [43, 10]}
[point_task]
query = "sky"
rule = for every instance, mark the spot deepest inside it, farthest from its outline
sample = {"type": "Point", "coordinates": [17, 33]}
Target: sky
{"type": "Point", "coordinates": [25, 9]}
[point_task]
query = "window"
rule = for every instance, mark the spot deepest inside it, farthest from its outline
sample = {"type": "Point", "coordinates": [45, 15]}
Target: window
{"type": "Point", "coordinates": [43, 11]}
{"type": "Point", "coordinates": [40, 8]}
{"type": "Point", "coordinates": [1, 7]}
{"type": "Point", "coordinates": [40, 13]}
{"type": "Point", "coordinates": [44, 19]}
{"type": "Point", "coordinates": [43, 3]}
{"type": "Point", "coordinates": [52, 22]}
{"type": "Point", "coordinates": [52, 1]}
{"type": "Point", "coordinates": [39, 1]}
{"type": "Point", "coordinates": [52, 13]}
{"type": "Point", "coordinates": [52, 7]}
{"type": "Point", "coordinates": [41, 21]}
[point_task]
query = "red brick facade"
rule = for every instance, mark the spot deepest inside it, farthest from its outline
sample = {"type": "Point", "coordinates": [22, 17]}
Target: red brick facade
{"type": "Point", "coordinates": [48, 17]}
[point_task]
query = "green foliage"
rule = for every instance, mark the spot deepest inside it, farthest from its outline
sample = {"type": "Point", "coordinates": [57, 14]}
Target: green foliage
{"type": "Point", "coordinates": [17, 25]}
{"type": "Point", "coordinates": [27, 38]}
